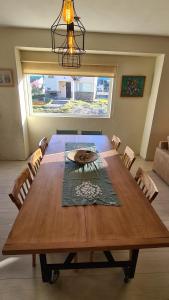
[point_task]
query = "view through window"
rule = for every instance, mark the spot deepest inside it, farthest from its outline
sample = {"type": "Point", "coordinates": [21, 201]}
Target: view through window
{"type": "Point", "coordinates": [70, 95]}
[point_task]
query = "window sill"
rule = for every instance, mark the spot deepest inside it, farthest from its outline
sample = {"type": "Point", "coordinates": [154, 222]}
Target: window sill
{"type": "Point", "coordinates": [54, 115]}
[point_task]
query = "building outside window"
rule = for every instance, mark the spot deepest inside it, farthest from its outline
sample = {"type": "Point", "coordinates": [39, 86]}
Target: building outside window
{"type": "Point", "coordinates": [70, 95]}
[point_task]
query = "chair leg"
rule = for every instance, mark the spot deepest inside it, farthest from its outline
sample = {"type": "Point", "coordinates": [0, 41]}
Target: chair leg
{"type": "Point", "coordinates": [91, 256]}
{"type": "Point", "coordinates": [76, 258]}
{"type": "Point", "coordinates": [76, 261]}
{"type": "Point", "coordinates": [33, 260]}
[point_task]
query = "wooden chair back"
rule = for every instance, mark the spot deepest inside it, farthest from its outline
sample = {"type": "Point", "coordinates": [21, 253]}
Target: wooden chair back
{"type": "Point", "coordinates": [34, 162]}
{"type": "Point", "coordinates": [66, 131]}
{"type": "Point", "coordinates": [146, 184]}
{"type": "Point", "coordinates": [21, 188]}
{"type": "Point", "coordinates": [43, 144]}
{"type": "Point", "coordinates": [128, 157]}
{"type": "Point", "coordinates": [115, 142]}
{"type": "Point", "coordinates": [92, 132]}
{"type": "Point", "coordinates": [19, 192]}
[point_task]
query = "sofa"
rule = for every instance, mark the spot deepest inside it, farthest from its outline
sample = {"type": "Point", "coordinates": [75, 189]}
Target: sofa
{"type": "Point", "coordinates": [161, 160]}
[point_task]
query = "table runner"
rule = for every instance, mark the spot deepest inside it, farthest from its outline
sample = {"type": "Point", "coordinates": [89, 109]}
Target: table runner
{"type": "Point", "coordinates": [88, 184]}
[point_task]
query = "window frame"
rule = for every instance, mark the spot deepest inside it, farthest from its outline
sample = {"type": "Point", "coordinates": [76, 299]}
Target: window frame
{"type": "Point", "coordinates": [65, 115]}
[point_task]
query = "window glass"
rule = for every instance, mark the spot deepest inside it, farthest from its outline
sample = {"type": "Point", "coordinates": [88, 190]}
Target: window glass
{"type": "Point", "coordinates": [70, 95]}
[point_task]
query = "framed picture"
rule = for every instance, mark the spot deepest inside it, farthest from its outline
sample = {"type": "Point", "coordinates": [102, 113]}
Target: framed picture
{"type": "Point", "coordinates": [132, 86]}
{"type": "Point", "coordinates": [6, 77]}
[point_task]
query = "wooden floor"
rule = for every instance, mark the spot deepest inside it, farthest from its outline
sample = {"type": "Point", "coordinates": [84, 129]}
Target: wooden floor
{"type": "Point", "coordinates": [18, 281]}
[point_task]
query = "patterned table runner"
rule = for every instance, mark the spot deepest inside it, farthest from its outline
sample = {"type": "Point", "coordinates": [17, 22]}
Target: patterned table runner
{"type": "Point", "coordinates": [88, 184]}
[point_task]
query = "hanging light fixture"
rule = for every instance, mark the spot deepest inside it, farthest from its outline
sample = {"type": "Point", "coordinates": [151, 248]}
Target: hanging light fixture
{"type": "Point", "coordinates": [68, 35]}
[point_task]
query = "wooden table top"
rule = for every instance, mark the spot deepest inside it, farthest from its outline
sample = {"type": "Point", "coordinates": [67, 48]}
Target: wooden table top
{"type": "Point", "coordinates": [44, 226]}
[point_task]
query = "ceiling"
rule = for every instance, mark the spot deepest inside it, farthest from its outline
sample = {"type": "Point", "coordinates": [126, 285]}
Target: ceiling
{"type": "Point", "coordinates": [117, 16]}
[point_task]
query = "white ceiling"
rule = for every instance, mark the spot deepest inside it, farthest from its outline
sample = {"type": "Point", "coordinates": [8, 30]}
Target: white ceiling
{"type": "Point", "coordinates": [117, 16]}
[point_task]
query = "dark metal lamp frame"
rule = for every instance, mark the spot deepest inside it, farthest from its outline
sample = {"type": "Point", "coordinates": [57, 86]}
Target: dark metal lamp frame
{"type": "Point", "coordinates": [59, 35]}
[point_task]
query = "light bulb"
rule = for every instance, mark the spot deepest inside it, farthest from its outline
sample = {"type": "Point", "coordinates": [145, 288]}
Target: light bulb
{"type": "Point", "coordinates": [70, 41]}
{"type": "Point", "coordinates": [68, 11]}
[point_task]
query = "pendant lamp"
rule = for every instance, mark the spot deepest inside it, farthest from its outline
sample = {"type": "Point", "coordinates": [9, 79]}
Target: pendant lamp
{"type": "Point", "coordinates": [68, 35]}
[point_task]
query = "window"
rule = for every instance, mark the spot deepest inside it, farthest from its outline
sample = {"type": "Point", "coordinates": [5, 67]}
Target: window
{"type": "Point", "coordinates": [70, 95]}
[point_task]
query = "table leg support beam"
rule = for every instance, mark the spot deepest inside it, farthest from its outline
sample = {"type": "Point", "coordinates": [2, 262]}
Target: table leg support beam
{"type": "Point", "coordinates": [128, 266]}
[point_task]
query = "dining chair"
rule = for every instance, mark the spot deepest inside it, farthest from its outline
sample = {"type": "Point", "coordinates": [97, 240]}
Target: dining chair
{"type": "Point", "coordinates": [18, 195]}
{"type": "Point", "coordinates": [115, 142]}
{"type": "Point", "coordinates": [146, 184]}
{"type": "Point", "coordinates": [92, 132]}
{"type": "Point", "coordinates": [128, 157]}
{"type": "Point", "coordinates": [66, 131]}
{"type": "Point", "coordinates": [34, 162]}
{"type": "Point", "coordinates": [43, 144]}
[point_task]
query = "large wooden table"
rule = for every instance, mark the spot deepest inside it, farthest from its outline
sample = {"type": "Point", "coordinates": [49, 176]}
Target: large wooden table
{"type": "Point", "coordinates": [44, 226]}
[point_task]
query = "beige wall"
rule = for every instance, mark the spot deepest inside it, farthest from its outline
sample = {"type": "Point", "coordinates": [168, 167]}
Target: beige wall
{"type": "Point", "coordinates": [128, 115]}
{"type": "Point", "coordinates": [151, 108]}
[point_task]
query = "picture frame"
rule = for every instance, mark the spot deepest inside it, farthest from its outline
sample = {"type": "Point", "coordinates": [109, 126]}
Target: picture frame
{"type": "Point", "coordinates": [132, 86]}
{"type": "Point", "coordinates": [6, 78]}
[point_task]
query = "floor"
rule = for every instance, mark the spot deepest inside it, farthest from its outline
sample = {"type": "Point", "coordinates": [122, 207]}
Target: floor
{"type": "Point", "coordinates": [19, 281]}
